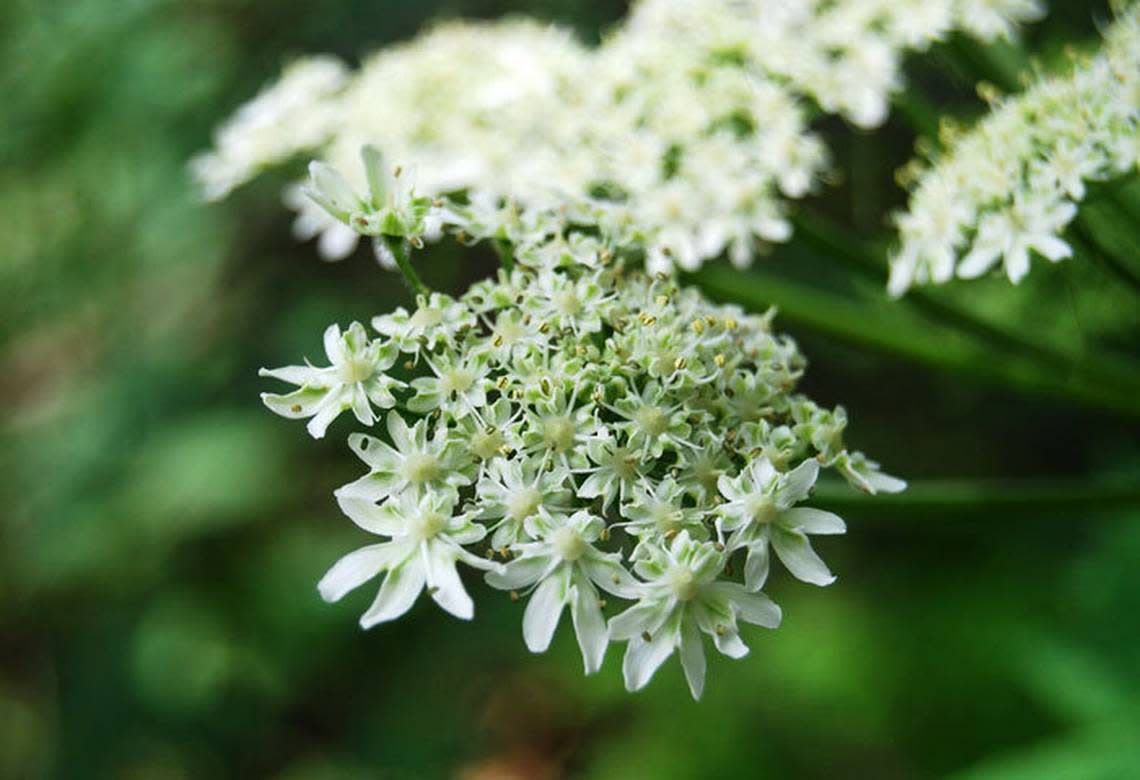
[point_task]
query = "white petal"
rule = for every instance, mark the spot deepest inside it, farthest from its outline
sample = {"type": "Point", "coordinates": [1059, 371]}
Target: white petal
{"type": "Point", "coordinates": [298, 404]}
{"type": "Point", "coordinates": [755, 608]}
{"type": "Point", "coordinates": [609, 575]}
{"type": "Point", "coordinates": [979, 260]}
{"type": "Point", "coordinates": [693, 657]}
{"type": "Point", "coordinates": [399, 591]}
{"type": "Point", "coordinates": [756, 566]}
{"type": "Point", "coordinates": [299, 375]}
{"type": "Point", "coordinates": [520, 572]}
{"type": "Point", "coordinates": [398, 430]}
{"type": "Point", "coordinates": [443, 581]}
{"type": "Point", "coordinates": [643, 659]}
{"type": "Point", "coordinates": [645, 616]}
{"type": "Point", "coordinates": [332, 189]}
{"type": "Point", "coordinates": [812, 521]}
{"type": "Point", "coordinates": [1053, 248]}
{"type": "Point", "coordinates": [589, 625]}
{"type": "Point", "coordinates": [795, 552]}
{"type": "Point", "coordinates": [355, 569]}
{"type": "Point", "coordinates": [327, 411]}
{"type": "Point", "coordinates": [334, 345]}
{"type": "Point", "coordinates": [543, 611]}
{"type": "Point", "coordinates": [798, 483]}
{"type": "Point", "coordinates": [729, 643]}
{"type": "Point", "coordinates": [366, 514]}
{"type": "Point", "coordinates": [1017, 263]}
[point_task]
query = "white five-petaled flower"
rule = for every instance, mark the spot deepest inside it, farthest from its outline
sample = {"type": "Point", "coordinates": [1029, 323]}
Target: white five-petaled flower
{"type": "Point", "coordinates": [426, 542]}
{"type": "Point", "coordinates": [761, 510]}
{"type": "Point", "coordinates": [513, 491]}
{"type": "Point", "coordinates": [437, 320]}
{"type": "Point", "coordinates": [415, 463]}
{"type": "Point", "coordinates": [1010, 234]}
{"type": "Point", "coordinates": [355, 380]}
{"type": "Point", "coordinates": [390, 207]}
{"type": "Point", "coordinates": [681, 598]}
{"type": "Point", "coordinates": [566, 569]}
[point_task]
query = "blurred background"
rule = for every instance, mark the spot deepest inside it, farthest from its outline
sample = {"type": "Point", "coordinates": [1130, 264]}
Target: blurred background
{"type": "Point", "coordinates": [163, 533]}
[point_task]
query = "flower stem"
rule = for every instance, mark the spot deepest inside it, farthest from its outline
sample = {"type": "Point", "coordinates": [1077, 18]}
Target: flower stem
{"type": "Point", "coordinates": [893, 329]}
{"type": "Point", "coordinates": [973, 496]}
{"type": "Point", "coordinates": [505, 252]}
{"type": "Point", "coordinates": [399, 248]}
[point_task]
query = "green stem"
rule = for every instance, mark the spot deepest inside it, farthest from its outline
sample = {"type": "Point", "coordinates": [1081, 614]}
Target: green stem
{"type": "Point", "coordinates": [505, 252]}
{"type": "Point", "coordinates": [982, 496]}
{"type": "Point", "coordinates": [399, 249]}
{"type": "Point", "coordinates": [838, 243]}
{"type": "Point", "coordinates": [892, 329]}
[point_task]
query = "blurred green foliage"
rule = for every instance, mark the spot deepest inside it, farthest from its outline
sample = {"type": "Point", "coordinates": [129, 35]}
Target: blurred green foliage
{"type": "Point", "coordinates": [162, 533]}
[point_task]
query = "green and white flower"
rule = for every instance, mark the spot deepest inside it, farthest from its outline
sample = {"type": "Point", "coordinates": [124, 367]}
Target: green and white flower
{"type": "Point", "coordinates": [760, 510]}
{"type": "Point", "coordinates": [412, 463]}
{"type": "Point", "coordinates": [565, 569]}
{"type": "Point", "coordinates": [355, 380]}
{"type": "Point", "coordinates": [681, 598]}
{"type": "Point", "coordinates": [426, 541]}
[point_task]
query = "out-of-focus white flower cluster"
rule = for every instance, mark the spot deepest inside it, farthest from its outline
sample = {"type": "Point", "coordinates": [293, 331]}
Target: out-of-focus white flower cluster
{"type": "Point", "coordinates": [689, 125]}
{"type": "Point", "coordinates": [1009, 187]}
{"type": "Point", "coordinates": [588, 435]}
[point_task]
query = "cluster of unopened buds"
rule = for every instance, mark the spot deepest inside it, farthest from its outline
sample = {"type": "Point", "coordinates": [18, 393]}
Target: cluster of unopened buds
{"type": "Point", "coordinates": [583, 432]}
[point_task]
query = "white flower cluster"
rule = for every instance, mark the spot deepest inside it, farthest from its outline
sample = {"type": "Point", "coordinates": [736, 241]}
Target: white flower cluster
{"type": "Point", "coordinates": [688, 126]}
{"type": "Point", "coordinates": [1009, 186]}
{"type": "Point", "coordinates": [584, 433]}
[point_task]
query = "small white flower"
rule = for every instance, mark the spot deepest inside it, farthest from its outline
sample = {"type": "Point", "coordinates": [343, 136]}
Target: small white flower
{"type": "Point", "coordinates": [426, 542]}
{"type": "Point", "coordinates": [355, 380]}
{"type": "Point", "coordinates": [1009, 235]}
{"type": "Point", "coordinates": [567, 569]}
{"type": "Point", "coordinates": [761, 510]}
{"type": "Point", "coordinates": [437, 319]}
{"type": "Point", "coordinates": [415, 463]}
{"type": "Point", "coordinates": [513, 491]}
{"type": "Point", "coordinates": [681, 599]}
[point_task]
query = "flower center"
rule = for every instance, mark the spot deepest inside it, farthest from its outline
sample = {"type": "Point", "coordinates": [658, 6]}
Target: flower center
{"type": "Point", "coordinates": [486, 445]}
{"type": "Point", "coordinates": [683, 583]}
{"type": "Point", "coordinates": [623, 462]}
{"type": "Point", "coordinates": [353, 371]}
{"type": "Point", "coordinates": [523, 504]}
{"type": "Point", "coordinates": [420, 467]}
{"type": "Point", "coordinates": [427, 525]}
{"type": "Point", "coordinates": [652, 420]}
{"type": "Point", "coordinates": [458, 380]}
{"type": "Point", "coordinates": [568, 543]}
{"type": "Point", "coordinates": [666, 517]}
{"type": "Point", "coordinates": [426, 317]}
{"type": "Point", "coordinates": [762, 508]}
{"type": "Point", "coordinates": [558, 433]}
{"type": "Point", "coordinates": [567, 303]}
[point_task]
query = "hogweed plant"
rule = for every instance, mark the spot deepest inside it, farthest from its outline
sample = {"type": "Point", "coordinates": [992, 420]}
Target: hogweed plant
{"type": "Point", "coordinates": [586, 433]}
{"type": "Point", "coordinates": [583, 430]}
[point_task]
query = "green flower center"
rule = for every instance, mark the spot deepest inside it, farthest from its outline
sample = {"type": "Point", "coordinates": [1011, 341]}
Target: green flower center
{"type": "Point", "coordinates": [762, 508]}
{"type": "Point", "coordinates": [683, 583]}
{"type": "Point", "coordinates": [558, 433]}
{"type": "Point", "coordinates": [523, 504]}
{"type": "Point", "coordinates": [486, 445]}
{"type": "Point", "coordinates": [355, 370]}
{"type": "Point", "coordinates": [420, 467]}
{"type": "Point", "coordinates": [568, 543]}
{"type": "Point", "coordinates": [426, 317]}
{"type": "Point", "coordinates": [458, 380]}
{"type": "Point", "coordinates": [427, 525]}
{"type": "Point", "coordinates": [652, 420]}
{"type": "Point", "coordinates": [624, 464]}
{"type": "Point", "coordinates": [567, 303]}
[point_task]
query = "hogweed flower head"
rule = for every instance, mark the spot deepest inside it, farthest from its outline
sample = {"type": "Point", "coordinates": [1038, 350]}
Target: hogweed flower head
{"type": "Point", "coordinates": [592, 435]}
{"type": "Point", "coordinates": [1007, 189]}
{"type": "Point", "coordinates": [688, 127]}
